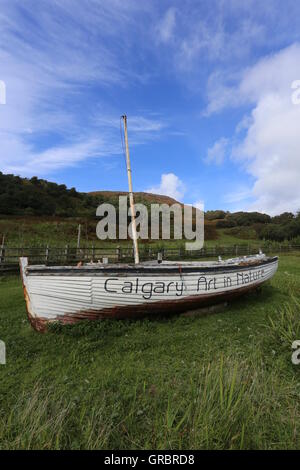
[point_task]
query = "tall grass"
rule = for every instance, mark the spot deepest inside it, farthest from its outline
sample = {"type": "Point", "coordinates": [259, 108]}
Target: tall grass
{"type": "Point", "coordinates": [228, 403]}
{"type": "Point", "coordinates": [224, 381]}
{"type": "Point", "coordinates": [285, 327]}
{"type": "Point", "coordinates": [43, 420]}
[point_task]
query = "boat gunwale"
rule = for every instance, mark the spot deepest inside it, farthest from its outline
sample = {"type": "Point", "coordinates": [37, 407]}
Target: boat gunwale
{"type": "Point", "coordinates": [128, 269]}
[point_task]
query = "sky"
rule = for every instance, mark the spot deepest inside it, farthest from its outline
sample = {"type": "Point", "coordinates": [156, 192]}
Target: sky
{"type": "Point", "coordinates": [211, 89]}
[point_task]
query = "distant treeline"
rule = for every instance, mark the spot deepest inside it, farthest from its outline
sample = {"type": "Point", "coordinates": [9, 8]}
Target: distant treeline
{"type": "Point", "coordinates": [281, 227]}
{"type": "Point", "coordinates": [38, 197]}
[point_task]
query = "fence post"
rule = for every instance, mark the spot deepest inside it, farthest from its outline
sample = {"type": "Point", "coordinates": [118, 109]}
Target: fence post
{"type": "Point", "coordinates": [2, 254]}
{"type": "Point", "coordinates": [66, 254]}
{"type": "Point", "coordinates": [47, 254]}
{"type": "Point", "coordinates": [93, 252]}
{"type": "Point", "coordinates": [118, 253]}
{"type": "Point", "coordinates": [78, 236]}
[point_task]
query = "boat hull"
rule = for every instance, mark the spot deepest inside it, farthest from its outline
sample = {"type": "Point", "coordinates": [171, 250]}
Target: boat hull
{"type": "Point", "coordinates": [72, 294]}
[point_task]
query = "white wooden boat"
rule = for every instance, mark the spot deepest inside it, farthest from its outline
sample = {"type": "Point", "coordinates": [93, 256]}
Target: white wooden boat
{"type": "Point", "coordinates": [97, 291]}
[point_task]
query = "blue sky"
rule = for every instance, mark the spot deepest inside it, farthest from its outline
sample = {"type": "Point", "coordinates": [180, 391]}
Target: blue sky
{"type": "Point", "coordinates": [206, 86]}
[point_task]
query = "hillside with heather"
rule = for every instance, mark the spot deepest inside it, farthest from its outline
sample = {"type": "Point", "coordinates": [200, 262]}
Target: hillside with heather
{"type": "Point", "coordinates": [37, 209]}
{"type": "Point", "coordinates": [139, 197]}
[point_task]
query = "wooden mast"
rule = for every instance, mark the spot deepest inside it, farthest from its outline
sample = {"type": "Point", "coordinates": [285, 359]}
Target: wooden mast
{"type": "Point", "coordinates": [131, 200]}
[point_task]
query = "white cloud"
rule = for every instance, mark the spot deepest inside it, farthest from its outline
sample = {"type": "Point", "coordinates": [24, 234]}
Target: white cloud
{"type": "Point", "coordinates": [224, 33]}
{"type": "Point", "coordinates": [240, 195]}
{"type": "Point", "coordinates": [199, 205]}
{"type": "Point", "coordinates": [103, 140]}
{"type": "Point", "coordinates": [170, 185]}
{"type": "Point", "coordinates": [216, 154]}
{"type": "Point", "coordinates": [273, 74]}
{"type": "Point", "coordinates": [54, 158]}
{"type": "Point", "coordinates": [166, 26]}
{"type": "Point", "coordinates": [214, 41]}
{"type": "Point", "coordinates": [137, 124]}
{"type": "Point", "coordinates": [270, 150]}
{"type": "Point", "coordinates": [51, 55]}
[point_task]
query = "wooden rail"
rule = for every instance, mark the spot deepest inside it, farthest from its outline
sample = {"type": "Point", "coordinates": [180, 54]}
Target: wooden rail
{"type": "Point", "coordinates": [9, 256]}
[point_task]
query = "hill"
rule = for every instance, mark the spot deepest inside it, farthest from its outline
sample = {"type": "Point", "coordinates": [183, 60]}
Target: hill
{"type": "Point", "coordinates": [37, 198]}
{"type": "Point", "coordinates": [139, 197]}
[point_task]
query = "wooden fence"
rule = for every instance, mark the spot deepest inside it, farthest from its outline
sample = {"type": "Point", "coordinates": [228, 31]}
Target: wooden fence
{"type": "Point", "coordinates": [9, 256]}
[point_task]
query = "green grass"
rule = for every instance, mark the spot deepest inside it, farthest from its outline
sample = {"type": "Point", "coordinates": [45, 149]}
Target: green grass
{"type": "Point", "coordinates": [230, 239]}
{"type": "Point", "coordinates": [57, 232]}
{"type": "Point", "coordinates": [224, 381]}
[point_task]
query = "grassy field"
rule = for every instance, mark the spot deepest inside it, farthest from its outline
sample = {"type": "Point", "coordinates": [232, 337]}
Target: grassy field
{"type": "Point", "coordinates": [57, 232]}
{"type": "Point", "coordinates": [224, 381]}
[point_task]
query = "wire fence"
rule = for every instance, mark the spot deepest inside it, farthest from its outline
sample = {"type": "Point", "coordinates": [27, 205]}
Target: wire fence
{"type": "Point", "coordinates": [48, 255]}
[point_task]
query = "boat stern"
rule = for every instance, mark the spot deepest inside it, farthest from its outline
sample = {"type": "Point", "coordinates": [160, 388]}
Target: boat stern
{"type": "Point", "coordinates": [37, 323]}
